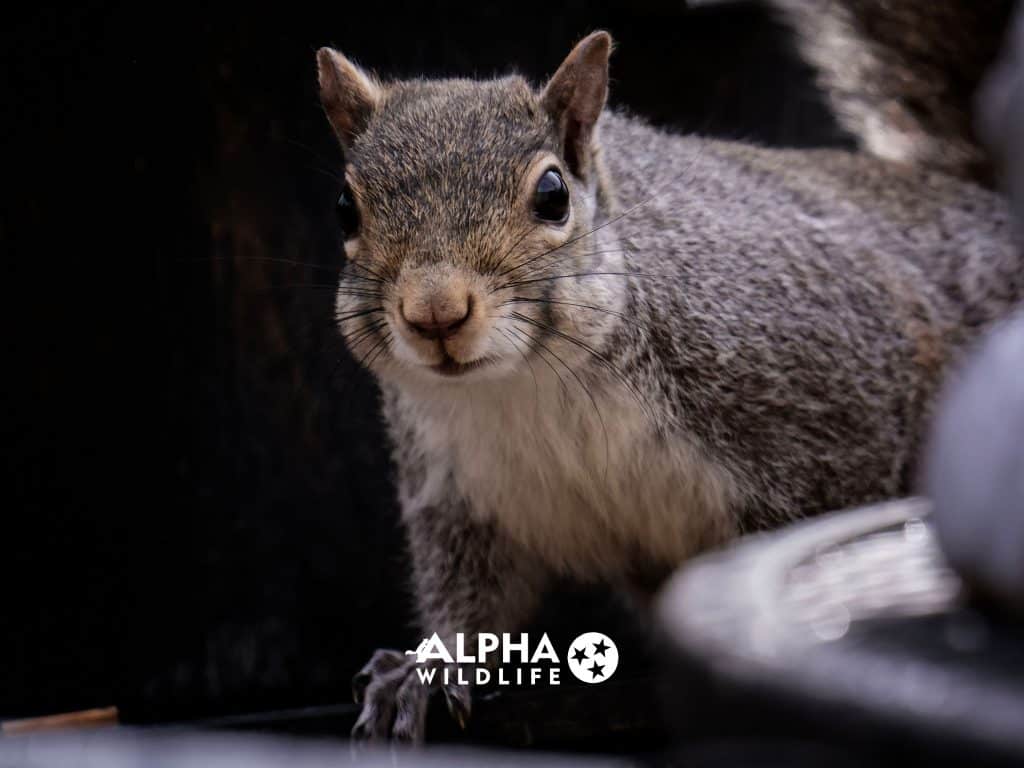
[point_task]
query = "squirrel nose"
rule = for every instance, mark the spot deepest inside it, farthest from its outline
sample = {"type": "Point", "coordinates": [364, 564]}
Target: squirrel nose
{"type": "Point", "coordinates": [438, 318]}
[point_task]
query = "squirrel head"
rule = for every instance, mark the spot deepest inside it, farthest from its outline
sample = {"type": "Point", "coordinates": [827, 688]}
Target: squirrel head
{"type": "Point", "coordinates": [467, 209]}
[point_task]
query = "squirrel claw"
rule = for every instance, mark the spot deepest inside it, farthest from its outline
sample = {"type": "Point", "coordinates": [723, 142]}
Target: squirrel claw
{"type": "Point", "coordinates": [458, 701]}
{"type": "Point", "coordinates": [359, 683]}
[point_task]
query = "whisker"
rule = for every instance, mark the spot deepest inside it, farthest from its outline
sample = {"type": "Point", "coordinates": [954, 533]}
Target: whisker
{"type": "Point", "coordinates": [352, 344]}
{"type": "Point", "coordinates": [621, 377]}
{"type": "Point", "coordinates": [519, 334]}
{"type": "Point", "coordinates": [343, 276]}
{"type": "Point", "coordinates": [373, 347]}
{"type": "Point", "coordinates": [320, 285]}
{"type": "Point", "coordinates": [576, 274]}
{"type": "Point", "coordinates": [313, 152]}
{"type": "Point", "coordinates": [613, 313]}
{"type": "Point", "coordinates": [355, 337]}
{"type": "Point", "coordinates": [267, 259]}
{"type": "Point", "coordinates": [357, 313]}
{"type": "Point", "coordinates": [514, 245]}
{"type": "Point", "coordinates": [556, 257]}
{"type": "Point", "coordinates": [586, 390]}
{"type": "Point", "coordinates": [366, 269]}
{"type": "Point", "coordinates": [371, 322]}
{"type": "Point", "coordinates": [380, 348]}
{"type": "Point", "coordinates": [357, 293]}
{"type": "Point", "coordinates": [533, 371]}
{"type": "Point", "coordinates": [364, 344]}
{"type": "Point", "coordinates": [329, 174]}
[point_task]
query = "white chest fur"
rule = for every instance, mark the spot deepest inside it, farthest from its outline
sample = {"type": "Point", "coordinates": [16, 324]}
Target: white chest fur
{"type": "Point", "coordinates": [586, 484]}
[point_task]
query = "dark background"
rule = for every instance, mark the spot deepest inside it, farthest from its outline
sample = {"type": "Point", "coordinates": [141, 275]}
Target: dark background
{"type": "Point", "coordinates": [198, 514]}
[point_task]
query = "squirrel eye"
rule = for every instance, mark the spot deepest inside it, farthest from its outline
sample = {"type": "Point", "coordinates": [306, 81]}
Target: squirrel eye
{"type": "Point", "coordinates": [551, 199]}
{"type": "Point", "coordinates": [348, 214]}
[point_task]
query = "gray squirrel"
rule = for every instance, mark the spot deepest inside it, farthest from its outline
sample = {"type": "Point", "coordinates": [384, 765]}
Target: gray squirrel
{"type": "Point", "coordinates": [603, 348]}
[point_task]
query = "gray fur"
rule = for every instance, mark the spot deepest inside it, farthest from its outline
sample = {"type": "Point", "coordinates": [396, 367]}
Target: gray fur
{"type": "Point", "coordinates": [724, 337]}
{"type": "Point", "coordinates": [814, 299]}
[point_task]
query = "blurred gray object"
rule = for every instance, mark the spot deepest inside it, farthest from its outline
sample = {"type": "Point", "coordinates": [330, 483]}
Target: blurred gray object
{"type": "Point", "coordinates": [1001, 113]}
{"type": "Point", "coordinates": [975, 467]}
{"type": "Point", "coordinates": [850, 631]}
{"type": "Point", "coordinates": [168, 748]}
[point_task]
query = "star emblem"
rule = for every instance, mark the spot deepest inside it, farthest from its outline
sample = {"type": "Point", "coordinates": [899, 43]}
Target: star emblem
{"type": "Point", "coordinates": [592, 657]}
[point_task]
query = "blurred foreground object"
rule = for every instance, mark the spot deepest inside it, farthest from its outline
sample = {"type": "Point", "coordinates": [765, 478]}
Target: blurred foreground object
{"type": "Point", "coordinates": [1001, 114]}
{"type": "Point", "coordinates": [171, 748]}
{"type": "Point", "coordinates": [975, 467]}
{"type": "Point", "coordinates": [848, 633]}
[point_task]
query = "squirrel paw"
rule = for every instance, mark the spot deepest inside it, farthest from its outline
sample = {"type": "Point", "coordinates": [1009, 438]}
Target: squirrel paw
{"type": "Point", "coordinates": [395, 699]}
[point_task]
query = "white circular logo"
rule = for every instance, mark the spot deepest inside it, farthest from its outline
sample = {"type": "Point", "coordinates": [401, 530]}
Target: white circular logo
{"type": "Point", "coordinates": [593, 657]}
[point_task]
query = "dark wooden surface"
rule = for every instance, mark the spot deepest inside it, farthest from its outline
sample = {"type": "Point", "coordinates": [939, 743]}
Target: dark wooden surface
{"type": "Point", "coordinates": [186, 748]}
{"type": "Point", "coordinates": [621, 716]}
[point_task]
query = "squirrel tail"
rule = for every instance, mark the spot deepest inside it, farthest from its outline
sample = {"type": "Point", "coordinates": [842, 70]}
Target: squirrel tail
{"type": "Point", "coordinates": [902, 76]}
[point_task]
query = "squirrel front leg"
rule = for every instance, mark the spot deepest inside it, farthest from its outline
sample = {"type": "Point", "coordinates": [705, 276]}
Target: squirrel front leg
{"type": "Point", "coordinates": [468, 577]}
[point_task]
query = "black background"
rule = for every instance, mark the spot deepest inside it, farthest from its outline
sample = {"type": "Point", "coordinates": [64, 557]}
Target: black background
{"type": "Point", "coordinates": [199, 516]}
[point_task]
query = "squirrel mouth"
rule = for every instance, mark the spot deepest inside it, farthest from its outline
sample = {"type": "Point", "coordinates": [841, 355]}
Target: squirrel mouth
{"type": "Point", "coordinates": [449, 366]}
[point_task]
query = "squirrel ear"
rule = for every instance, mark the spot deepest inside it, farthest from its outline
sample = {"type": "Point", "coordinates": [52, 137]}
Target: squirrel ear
{"type": "Point", "coordinates": [575, 96]}
{"type": "Point", "coordinates": [348, 94]}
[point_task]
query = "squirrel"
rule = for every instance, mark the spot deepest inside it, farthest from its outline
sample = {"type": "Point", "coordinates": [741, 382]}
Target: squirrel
{"type": "Point", "coordinates": [603, 348]}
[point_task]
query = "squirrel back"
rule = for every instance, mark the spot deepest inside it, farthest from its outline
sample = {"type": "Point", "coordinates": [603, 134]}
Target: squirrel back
{"type": "Point", "coordinates": [816, 299]}
{"type": "Point", "coordinates": [902, 76]}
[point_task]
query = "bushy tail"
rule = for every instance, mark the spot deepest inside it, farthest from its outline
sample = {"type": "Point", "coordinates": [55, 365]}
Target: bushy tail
{"type": "Point", "coordinates": [902, 74]}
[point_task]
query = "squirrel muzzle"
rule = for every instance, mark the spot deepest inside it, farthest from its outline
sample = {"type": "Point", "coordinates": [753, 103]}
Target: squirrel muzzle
{"type": "Point", "coordinates": [440, 315]}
